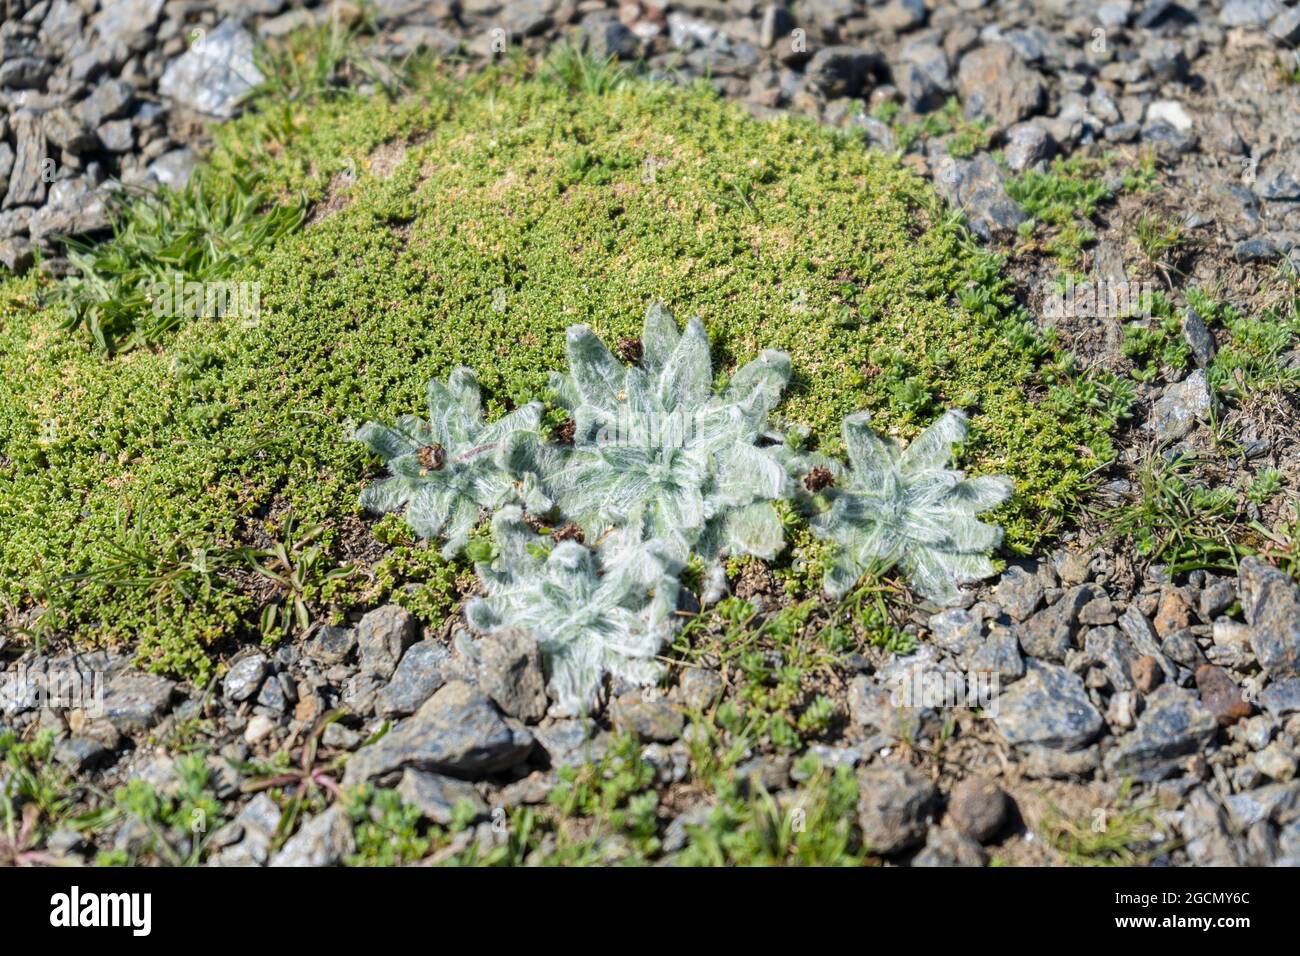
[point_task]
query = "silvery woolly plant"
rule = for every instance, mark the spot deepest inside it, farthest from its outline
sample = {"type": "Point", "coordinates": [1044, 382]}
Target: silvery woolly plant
{"type": "Point", "coordinates": [658, 456]}
{"type": "Point", "coordinates": [446, 471]}
{"type": "Point", "coordinates": [586, 623]}
{"type": "Point", "coordinates": [905, 507]}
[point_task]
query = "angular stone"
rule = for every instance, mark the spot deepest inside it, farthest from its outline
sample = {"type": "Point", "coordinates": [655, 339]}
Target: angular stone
{"type": "Point", "coordinates": [27, 179]}
{"type": "Point", "coordinates": [510, 672]}
{"type": "Point", "coordinates": [457, 731]}
{"type": "Point", "coordinates": [322, 841]}
{"type": "Point", "coordinates": [1019, 593]}
{"type": "Point", "coordinates": [245, 677]}
{"type": "Point", "coordinates": [944, 847]}
{"type": "Point", "coordinates": [1198, 337]}
{"type": "Point", "coordinates": [1181, 406]}
{"type": "Point", "coordinates": [418, 675]}
{"type": "Point", "coordinates": [894, 807]}
{"type": "Point", "coordinates": [699, 688]}
{"type": "Point", "coordinates": [976, 187]}
{"type": "Point", "coordinates": [436, 796]}
{"type": "Point", "coordinates": [135, 702]}
{"type": "Point", "coordinates": [572, 741]}
{"type": "Point", "coordinates": [1174, 725]}
{"type": "Point", "coordinates": [1270, 601]}
{"type": "Point", "coordinates": [214, 76]}
{"type": "Point", "coordinates": [1051, 632]}
{"type": "Point", "coordinates": [993, 81]}
{"type": "Point", "coordinates": [383, 635]}
{"type": "Point", "coordinates": [843, 70]}
{"type": "Point", "coordinates": [1108, 647]}
{"type": "Point", "coordinates": [331, 645]}
{"type": "Point", "coordinates": [1281, 697]}
{"type": "Point", "coordinates": [1049, 706]}
{"type": "Point", "coordinates": [129, 22]}
{"type": "Point", "coordinates": [67, 131]}
{"type": "Point", "coordinates": [649, 716]}
{"type": "Point", "coordinates": [255, 825]}
{"type": "Point", "coordinates": [108, 100]}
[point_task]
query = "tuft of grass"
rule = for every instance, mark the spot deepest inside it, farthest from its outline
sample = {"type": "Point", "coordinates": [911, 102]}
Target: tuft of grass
{"type": "Point", "coordinates": [1177, 522]}
{"type": "Point", "coordinates": [1126, 834]}
{"type": "Point", "coordinates": [1159, 241]}
{"type": "Point", "coordinates": [1071, 189]}
{"type": "Point", "coordinates": [204, 233]}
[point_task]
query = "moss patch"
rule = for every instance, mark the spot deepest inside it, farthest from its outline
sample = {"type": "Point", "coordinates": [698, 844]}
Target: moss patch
{"type": "Point", "coordinates": [519, 207]}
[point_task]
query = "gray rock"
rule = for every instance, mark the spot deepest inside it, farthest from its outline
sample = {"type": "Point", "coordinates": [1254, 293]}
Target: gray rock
{"type": "Point", "coordinates": [1247, 13]}
{"type": "Point", "coordinates": [1270, 601]}
{"type": "Point", "coordinates": [82, 753]}
{"type": "Point", "coordinates": [331, 645]}
{"type": "Point", "coordinates": [420, 673]}
{"type": "Point", "coordinates": [215, 75]}
{"type": "Point", "coordinates": [116, 136]}
{"type": "Point", "coordinates": [1174, 725]}
{"type": "Point", "coordinates": [129, 22]}
{"type": "Point", "coordinates": [108, 100]}
{"type": "Point", "coordinates": [1286, 26]}
{"type": "Point", "coordinates": [979, 808]}
{"type": "Point", "coordinates": [1198, 337]}
{"type": "Point", "coordinates": [383, 635]}
{"type": "Point", "coordinates": [1282, 697]}
{"type": "Point", "coordinates": [83, 211]}
{"type": "Point", "coordinates": [956, 630]}
{"type": "Point", "coordinates": [1051, 632]}
{"type": "Point", "coordinates": [649, 716]}
{"type": "Point", "coordinates": [606, 37]}
{"type": "Point", "coordinates": [1205, 832]}
{"type": "Point", "coordinates": [1276, 802]}
{"type": "Point", "coordinates": [999, 654]}
{"type": "Point", "coordinates": [777, 22]}
{"type": "Point", "coordinates": [135, 702]}
{"type": "Point", "coordinates": [17, 255]}
{"type": "Point", "coordinates": [245, 677]}
{"type": "Point", "coordinates": [322, 841]}
{"type": "Point", "coordinates": [572, 741]}
{"type": "Point", "coordinates": [1049, 707]}
{"type": "Point", "coordinates": [843, 70]}
{"type": "Point", "coordinates": [1019, 593]}
{"type": "Point", "coordinates": [945, 847]}
{"type": "Point", "coordinates": [456, 731]}
{"type": "Point", "coordinates": [1027, 145]}
{"type": "Point", "coordinates": [510, 672]}
{"type": "Point", "coordinates": [67, 131]}
{"type": "Point", "coordinates": [1259, 249]}
{"type": "Point", "coordinates": [1277, 184]}
{"type": "Point", "coordinates": [173, 169]}
{"type": "Point", "coordinates": [436, 796]}
{"type": "Point", "coordinates": [699, 688]}
{"type": "Point", "coordinates": [1109, 648]}
{"type": "Point", "coordinates": [26, 179]}
{"type": "Point", "coordinates": [994, 81]}
{"type": "Point", "coordinates": [1181, 406]}
{"type": "Point", "coordinates": [975, 186]}
{"type": "Point", "coordinates": [253, 831]}
{"type": "Point", "coordinates": [894, 807]}
{"type": "Point", "coordinates": [1143, 636]}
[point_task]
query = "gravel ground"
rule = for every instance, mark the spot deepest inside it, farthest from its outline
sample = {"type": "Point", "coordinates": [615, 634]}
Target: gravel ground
{"type": "Point", "coordinates": [1117, 683]}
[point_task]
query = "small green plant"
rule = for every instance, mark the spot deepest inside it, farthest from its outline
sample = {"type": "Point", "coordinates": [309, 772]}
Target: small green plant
{"type": "Point", "coordinates": [1160, 241]}
{"type": "Point", "coordinates": [657, 455]}
{"type": "Point", "coordinates": [447, 470]}
{"type": "Point", "coordinates": [305, 781]}
{"type": "Point", "coordinates": [177, 823]}
{"type": "Point", "coordinates": [385, 829]}
{"type": "Point", "coordinates": [1176, 522]}
{"type": "Point", "coordinates": [907, 507]}
{"type": "Point", "coordinates": [1264, 486]}
{"type": "Point", "coordinates": [587, 623]}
